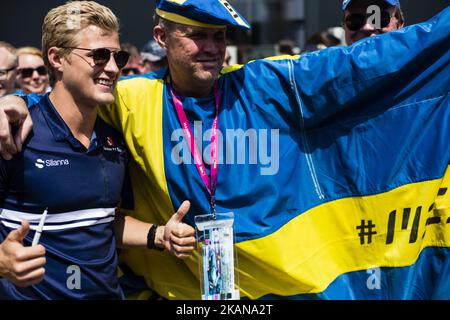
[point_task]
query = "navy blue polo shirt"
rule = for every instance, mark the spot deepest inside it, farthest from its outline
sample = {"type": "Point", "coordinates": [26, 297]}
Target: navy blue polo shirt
{"type": "Point", "coordinates": [81, 189]}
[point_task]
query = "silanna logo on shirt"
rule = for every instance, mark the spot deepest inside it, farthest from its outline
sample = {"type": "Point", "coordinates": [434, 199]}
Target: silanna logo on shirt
{"type": "Point", "coordinates": [111, 146]}
{"type": "Point", "coordinates": [40, 164]}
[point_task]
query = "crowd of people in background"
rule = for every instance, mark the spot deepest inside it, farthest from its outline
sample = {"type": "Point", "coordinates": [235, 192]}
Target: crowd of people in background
{"type": "Point", "coordinates": [22, 70]}
{"type": "Point", "coordinates": [151, 58]}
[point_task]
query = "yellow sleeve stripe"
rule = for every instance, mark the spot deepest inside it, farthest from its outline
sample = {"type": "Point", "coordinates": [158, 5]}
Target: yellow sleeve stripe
{"type": "Point", "coordinates": [142, 101]}
{"type": "Point", "coordinates": [236, 67]}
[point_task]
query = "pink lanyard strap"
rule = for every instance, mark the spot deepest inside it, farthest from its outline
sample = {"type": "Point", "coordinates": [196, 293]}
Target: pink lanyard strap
{"type": "Point", "coordinates": [210, 184]}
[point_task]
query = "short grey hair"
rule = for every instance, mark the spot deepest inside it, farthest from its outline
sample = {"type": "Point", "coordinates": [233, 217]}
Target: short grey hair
{"type": "Point", "coordinates": [164, 23]}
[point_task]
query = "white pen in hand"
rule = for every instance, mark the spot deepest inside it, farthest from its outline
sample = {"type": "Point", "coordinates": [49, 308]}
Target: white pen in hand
{"type": "Point", "coordinates": [39, 229]}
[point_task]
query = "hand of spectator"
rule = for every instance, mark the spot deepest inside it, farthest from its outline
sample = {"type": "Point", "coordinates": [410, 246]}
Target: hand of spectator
{"type": "Point", "coordinates": [23, 266]}
{"type": "Point", "coordinates": [13, 112]}
{"type": "Point", "coordinates": [178, 238]}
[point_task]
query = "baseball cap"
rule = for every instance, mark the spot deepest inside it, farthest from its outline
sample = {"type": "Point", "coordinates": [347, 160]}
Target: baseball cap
{"type": "Point", "coordinates": [152, 51]}
{"type": "Point", "coordinates": [346, 3]}
{"type": "Point", "coordinates": [204, 13]}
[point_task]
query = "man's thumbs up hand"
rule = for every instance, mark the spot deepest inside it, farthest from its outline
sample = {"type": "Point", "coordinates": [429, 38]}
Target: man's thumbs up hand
{"type": "Point", "coordinates": [23, 266]}
{"type": "Point", "coordinates": [178, 237]}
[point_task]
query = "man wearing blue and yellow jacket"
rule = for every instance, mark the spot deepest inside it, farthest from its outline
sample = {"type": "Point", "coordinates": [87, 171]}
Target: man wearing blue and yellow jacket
{"type": "Point", "coordinates": [334, 163]}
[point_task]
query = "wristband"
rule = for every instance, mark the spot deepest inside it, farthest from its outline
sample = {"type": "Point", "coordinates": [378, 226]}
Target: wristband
{"type": "Point", "coordinates": [151, 238]}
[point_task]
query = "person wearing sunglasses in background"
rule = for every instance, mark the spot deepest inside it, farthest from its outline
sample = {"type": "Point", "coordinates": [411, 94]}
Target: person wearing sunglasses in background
{"type": "Point", "coordinates": [153, 57]}
{"type": "Point", "coordinates": [359, 22]}
{"type": "Point", "coordinates": [133, 65]}
{"type": "Point", "coordinates": [73, 166]}
{"type": "Point", "coordinates": [32, 74]}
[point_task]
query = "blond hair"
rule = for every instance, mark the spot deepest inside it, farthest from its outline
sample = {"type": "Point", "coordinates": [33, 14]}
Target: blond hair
{"type": "Point", "coordinates": [29, 50]}
{"type": "Point", "coordinates": [62, 25]}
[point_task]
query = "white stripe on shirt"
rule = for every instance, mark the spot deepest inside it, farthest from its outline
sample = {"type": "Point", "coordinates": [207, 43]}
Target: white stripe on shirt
{"type": "Point", "coordinates": [65, 220]}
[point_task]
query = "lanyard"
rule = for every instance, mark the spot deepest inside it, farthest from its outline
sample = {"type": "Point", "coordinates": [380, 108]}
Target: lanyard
{"type": "Point", "coordinates": [210, 184]}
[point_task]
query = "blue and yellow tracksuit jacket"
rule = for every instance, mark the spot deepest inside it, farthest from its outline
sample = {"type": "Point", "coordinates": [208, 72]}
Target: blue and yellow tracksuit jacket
{"type": "Point", "coordinates": [335, 165]}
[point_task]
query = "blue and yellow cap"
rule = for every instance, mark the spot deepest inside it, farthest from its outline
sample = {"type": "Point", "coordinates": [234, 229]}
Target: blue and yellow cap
{"type": "Point", "coordinates": [346, 3]}
{"type": "Point", "coordinates": [201, 13]}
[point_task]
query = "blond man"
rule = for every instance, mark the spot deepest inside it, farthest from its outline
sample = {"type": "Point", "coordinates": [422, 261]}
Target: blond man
{"type": "Point", "coordinates": [67, 182]}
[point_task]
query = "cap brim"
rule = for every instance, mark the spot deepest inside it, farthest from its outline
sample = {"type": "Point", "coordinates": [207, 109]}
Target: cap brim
{"type": "Point", "coordinates": [151, 57]}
